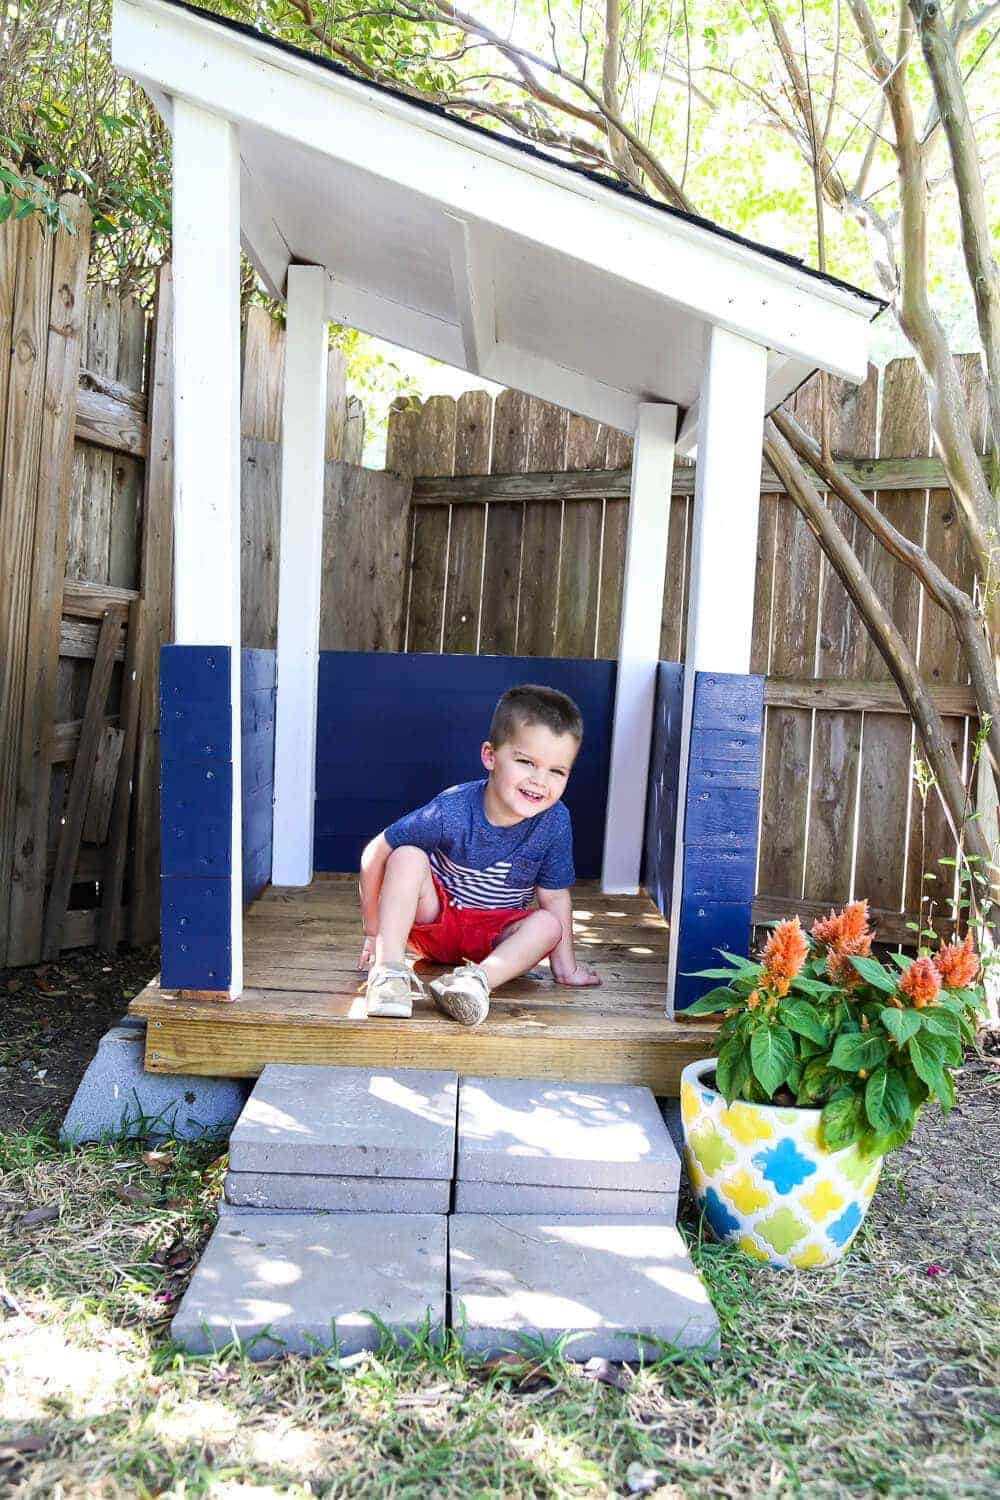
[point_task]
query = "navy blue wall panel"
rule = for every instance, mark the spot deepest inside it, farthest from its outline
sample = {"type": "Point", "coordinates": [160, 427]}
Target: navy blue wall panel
{"type": "Point", "coordinates": [720, 825]}
{"type": "Point", "coordinates": [196, 789]}
{"type": "Point", "coordinates": [257, 702]}
{"type": "Point", "coordinates": [661, 797]}
{"type": "Point", "coordinates": [395, 729]}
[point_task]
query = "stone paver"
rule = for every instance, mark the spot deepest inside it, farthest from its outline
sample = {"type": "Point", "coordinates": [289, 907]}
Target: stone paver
{"type": "Point", "coordinates": [348, 1122]}
{"type": "Point", "coordinates": [621, 1283]}
{"type": "Point", "coordinates": [117, 1096]}
{"type": "Point", "coordinates": [529, 1198]}
{"type": "Point", "coordinates": [301, 1275]}
{"type": "Point", "coordinates": [530, 1130]}
{"type": "Point", "coordinates": [331, 1194]}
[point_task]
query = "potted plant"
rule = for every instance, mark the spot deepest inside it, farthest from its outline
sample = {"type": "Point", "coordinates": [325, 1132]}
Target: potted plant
{"type": "Point", "coordinates": [826, 1057]}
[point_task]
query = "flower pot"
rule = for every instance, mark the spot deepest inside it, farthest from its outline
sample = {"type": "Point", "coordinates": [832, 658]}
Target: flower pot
{"type": "Point", "coordinates": [765, 1182]}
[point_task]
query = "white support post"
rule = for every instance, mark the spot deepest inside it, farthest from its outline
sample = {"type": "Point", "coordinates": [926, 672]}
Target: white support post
{"type": "Point", "coordinates": [206, 275]}
{"type": "Point", "coordinates": [639, 645]}
{"type": "Point", "coordinates": [300, 574]}
{"type": "Point", "coordinates": [723, 567]}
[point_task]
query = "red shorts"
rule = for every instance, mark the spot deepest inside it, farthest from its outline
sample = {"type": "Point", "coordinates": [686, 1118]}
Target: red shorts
{"type": "Point", "coordinates": [462, 933]}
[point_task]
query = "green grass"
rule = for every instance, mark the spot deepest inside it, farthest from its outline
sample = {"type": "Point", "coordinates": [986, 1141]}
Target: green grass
{"type": "Point", "coordinates": [872, 1379]}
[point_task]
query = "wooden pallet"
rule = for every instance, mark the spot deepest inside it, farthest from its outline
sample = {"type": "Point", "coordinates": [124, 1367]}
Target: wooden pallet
{"type": "Point", "coordinates": [303, 1003]}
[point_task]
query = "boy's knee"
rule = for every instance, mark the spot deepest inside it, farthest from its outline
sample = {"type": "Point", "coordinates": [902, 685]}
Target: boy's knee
{"type": "Point", "coordinates": [409, 858]}
{"type": "Point", "coordinates": [551, 927]}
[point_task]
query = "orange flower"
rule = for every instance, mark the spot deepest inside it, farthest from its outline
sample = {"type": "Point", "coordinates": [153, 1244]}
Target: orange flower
{"type": "Point", "coordinates": [827, 930]}
{"type": "Point", "coordinates": [785, 951]}
{"type": "Point", "coordinates": [920, 983]}
{"type": "Point", "coordinates": [854, 924]}
{"type": "Point", "coordinates": [957, 965]}
{"type": "Point", "coordinates": [844, 934]}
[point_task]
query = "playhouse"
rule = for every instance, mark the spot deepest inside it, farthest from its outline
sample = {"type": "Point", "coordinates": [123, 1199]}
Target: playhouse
{"type": "Point", "coordinates": [365, 206]}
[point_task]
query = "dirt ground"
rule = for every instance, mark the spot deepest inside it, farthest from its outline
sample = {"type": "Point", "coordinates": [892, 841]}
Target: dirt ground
{"type": "Point", "coordinates": [51, 1019]}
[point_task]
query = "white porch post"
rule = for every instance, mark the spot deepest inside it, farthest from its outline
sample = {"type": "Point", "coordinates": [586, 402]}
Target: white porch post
{"type": "Point", "coordinates": [724, 544]}
{"type": "Point", "coordinates": [206, 274]}
{"type": "Point", "coordinates": [299, 578]}
{"type": "Point", "coordinates": [639, 645]}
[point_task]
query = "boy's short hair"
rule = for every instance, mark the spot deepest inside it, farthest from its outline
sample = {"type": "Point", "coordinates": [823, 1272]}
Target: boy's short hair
{"type": "Point", "coordinates": [531, 703]}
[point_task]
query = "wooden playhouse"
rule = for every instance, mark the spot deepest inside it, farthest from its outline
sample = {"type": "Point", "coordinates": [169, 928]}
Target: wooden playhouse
{"type": "Point", "coordinates": [364, 206]}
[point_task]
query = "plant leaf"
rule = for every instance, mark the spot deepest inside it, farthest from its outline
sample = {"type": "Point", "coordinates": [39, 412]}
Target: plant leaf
{"type": "Point", "coordinates": [717, 999]}
{"type": "Point", "coordinates": [772, 1052]}
{"type": "Point", "coordinates": [872, 973]}
{"type": "Point", "coordinates": [861, 1049]}
{"type": "Point", "coordinates": [843, 1121]}
{"type": "Point", "coordinates": [887, 1103]}
{"type": "Point", "coordinates": [803, 1017]}
{"type": "Point", "coordinates": [900, 1024]}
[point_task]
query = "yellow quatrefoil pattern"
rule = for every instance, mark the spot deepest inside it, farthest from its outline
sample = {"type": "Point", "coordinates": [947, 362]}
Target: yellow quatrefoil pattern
{"type": "Point", "coordinates": [764, 1181]}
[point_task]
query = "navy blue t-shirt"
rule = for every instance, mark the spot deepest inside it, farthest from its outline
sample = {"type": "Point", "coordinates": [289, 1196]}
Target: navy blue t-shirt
{"type": "Point", "coordinates": [481, 865]}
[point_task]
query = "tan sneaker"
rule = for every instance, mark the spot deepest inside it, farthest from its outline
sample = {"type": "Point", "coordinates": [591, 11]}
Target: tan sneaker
{"type": "Point", "coordinates": [464, 994]}
{"type": "Point", "coordinates": [390, 990]}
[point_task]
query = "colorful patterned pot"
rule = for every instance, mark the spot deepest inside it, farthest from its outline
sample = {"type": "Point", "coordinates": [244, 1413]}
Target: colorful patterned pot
{"type": "Point", "coordinates": [764, 1181]}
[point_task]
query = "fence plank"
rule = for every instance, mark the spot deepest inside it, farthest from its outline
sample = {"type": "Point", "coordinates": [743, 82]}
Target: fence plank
{"type": "Point", "coordinates": [260, 540]}
{"type": "Point", "coordinates": [582, 524]}
{"type": "Point", "coordinates": [112, 917]}
{"type": "Point", "coordinates": [473, 438]}
{"type": "Point", "coordinates": [263, 380]}
{"type": "Point", "coordinates": [365, 525]}
{"type": "Point", "coordinates": [836, 749]}
{"type": "Point", "coordinates": [354, 431]}
{"type": "Point", "coordinates": [886, 756]}
{"type": "Point", "coordinates": [155, 586]}
{"type": "Point", "coordinates": [434, 454]}
{"type": "Point", "coordinates": [55, 459]}
{"type": "Point", "coordinates": [127, 471]}
{"type": "Point", "coordinates": [504, 529]}
{"type": "Point", "coordinates": [541, 536]}
{"type": "Point", "coordinates": [80, 784]}
{"type": "Point", "coordinates": [21, 454]}
{"type": "Point", "coordinates": [336, 404]}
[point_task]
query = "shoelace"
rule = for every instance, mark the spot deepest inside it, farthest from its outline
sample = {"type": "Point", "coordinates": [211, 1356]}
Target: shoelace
{"type": "Point", "coordinates": [396, 972]}
{"type": "Point", "coordinates": [475, 971]}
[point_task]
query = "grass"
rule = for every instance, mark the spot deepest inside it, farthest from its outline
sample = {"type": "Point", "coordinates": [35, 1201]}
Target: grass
{"type": "Point", "coordinates": [874, 1379]}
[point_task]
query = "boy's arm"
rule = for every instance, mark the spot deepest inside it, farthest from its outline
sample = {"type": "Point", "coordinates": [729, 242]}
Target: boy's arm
{"type": "Point", "coordinates": [566, 969]}
{"type": "Point", "coordinates": [373, 862]}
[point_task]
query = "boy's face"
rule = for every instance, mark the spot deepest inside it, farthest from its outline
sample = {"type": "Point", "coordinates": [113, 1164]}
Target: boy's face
{"type": "Point", "coordinates": [529, 771]}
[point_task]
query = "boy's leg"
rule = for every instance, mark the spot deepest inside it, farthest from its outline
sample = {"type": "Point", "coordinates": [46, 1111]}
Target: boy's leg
{"type": "Point", "coordinates": [407, 896]}
{"type": "Point", "coordinates": [522, 947]}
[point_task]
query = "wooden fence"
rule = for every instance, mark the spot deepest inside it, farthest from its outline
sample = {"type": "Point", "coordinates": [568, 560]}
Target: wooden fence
{"type": "Point", "coordinates": [513, 551]}
{"type": "Point", "coordinates": [86, 581]}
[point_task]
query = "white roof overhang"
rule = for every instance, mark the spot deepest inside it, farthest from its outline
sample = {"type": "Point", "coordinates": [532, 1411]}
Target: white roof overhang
{"type": "Point", "coordinates": [455, 243]}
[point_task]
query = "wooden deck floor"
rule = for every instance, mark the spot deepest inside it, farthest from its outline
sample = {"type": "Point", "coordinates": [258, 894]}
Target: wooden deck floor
{"type": "Point", "coordinates": [303, 1004]}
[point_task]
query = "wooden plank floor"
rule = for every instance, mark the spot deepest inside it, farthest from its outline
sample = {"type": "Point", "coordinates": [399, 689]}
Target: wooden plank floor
{"type": "Point", "coordinates": [303, 1003]}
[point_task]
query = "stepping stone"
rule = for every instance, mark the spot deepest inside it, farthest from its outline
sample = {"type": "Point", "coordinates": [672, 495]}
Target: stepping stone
{"type": "Point", "coordinates": [621, 1283]}
{"type": "Point", "coordinates": [528, 1198]}
{"type": "Point", "coordinates": [530, 1130]}
{"type": "Point", "coordinates": [348, 1122]}
{"type": "Point", "coordinates": [299, 1276]}
{"type": "Point", "coordinates": [306, 1190]}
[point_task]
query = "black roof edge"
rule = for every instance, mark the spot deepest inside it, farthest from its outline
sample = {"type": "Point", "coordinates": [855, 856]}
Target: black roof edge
{"type": "Point", "coordinates": [622, 188]}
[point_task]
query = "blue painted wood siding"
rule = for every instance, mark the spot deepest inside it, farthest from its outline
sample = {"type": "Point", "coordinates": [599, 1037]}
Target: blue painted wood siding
{"type": "Point", "coordinates": [661, 796]}
{"type": "Point", "coordinates": [720, 825]}
{"type": "Point", "coordinates": [257, 706]}
{"type": "Point", "coordinates": [394, 729]}
{"type": "Point", "coordinates": [196, 790]}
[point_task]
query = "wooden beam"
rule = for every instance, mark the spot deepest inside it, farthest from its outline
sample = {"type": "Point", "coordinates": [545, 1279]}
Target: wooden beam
{"type": "Point", "coordinates": [78, 639]}
{"type": "Point", "coordinates": [472, 278]}
{"type": "Point", "coordinates": [111, 422]}
{"type": "Point", "coordinates": [90, 600]}
{"type": "Point", "coordinates": [842, 693]}
{"type": "Point", "coordinates": [116, 853]}
{"type": "Point", "coordinates": [606, 484]}
{"type": "Point", "coordinates": [64, 738]}
{"type": "Point", "coordinates": [890, 926]}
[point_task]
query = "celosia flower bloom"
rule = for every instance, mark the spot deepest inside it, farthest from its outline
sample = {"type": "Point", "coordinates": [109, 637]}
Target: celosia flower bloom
{"type": "Point", "coordinates": [844, 934]}
{"type": "Point", "coordinates": [920, 983]}
{"type": "Point", "coordinates": [785, 951]}
{"type": "Point", "coordinates": [957, 965]}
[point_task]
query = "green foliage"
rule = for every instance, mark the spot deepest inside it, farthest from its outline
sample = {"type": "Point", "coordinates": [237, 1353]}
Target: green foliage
{"type": "Point", "coordinates": [864, 1050]}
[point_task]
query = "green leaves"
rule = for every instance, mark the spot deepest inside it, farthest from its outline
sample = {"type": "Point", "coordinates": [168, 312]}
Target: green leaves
{"type": "Point", "coordinates": [803, 1017]}
{"type": "Point", "coordinates": [859, 1050]}
{"type": "Point", "coordinates": [732, 1073]}
{"type": "Point", "coordinates": [772, 1053]}
{"type": "Point", "coordinates": [843, 1121]}
{"type": "Point", "coordinates": [900, 1024]}
{"type": "Point", "coordinates": [718, 999]}
{"type": "Point", "coordinates": [872, 973]}
{"type": "Point", "coordinates": [887, 1100]}
{"type": "Point", "coordinates": [927, 1054]}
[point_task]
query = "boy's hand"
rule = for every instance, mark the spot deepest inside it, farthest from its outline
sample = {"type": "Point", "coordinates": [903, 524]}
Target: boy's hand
{"type": "Point", "coordinates": [582, 977]}
{"type": "Point", "coordinates": [367, 955]}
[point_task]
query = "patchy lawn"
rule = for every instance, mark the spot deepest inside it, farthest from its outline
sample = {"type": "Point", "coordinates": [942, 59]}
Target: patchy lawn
{"type": "Point", "coordinates": [879, 1378]}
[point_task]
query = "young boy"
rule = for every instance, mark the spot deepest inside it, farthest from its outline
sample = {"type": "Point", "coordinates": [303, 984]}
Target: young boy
{"type": "Point", "coordinates": [456, 878]}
